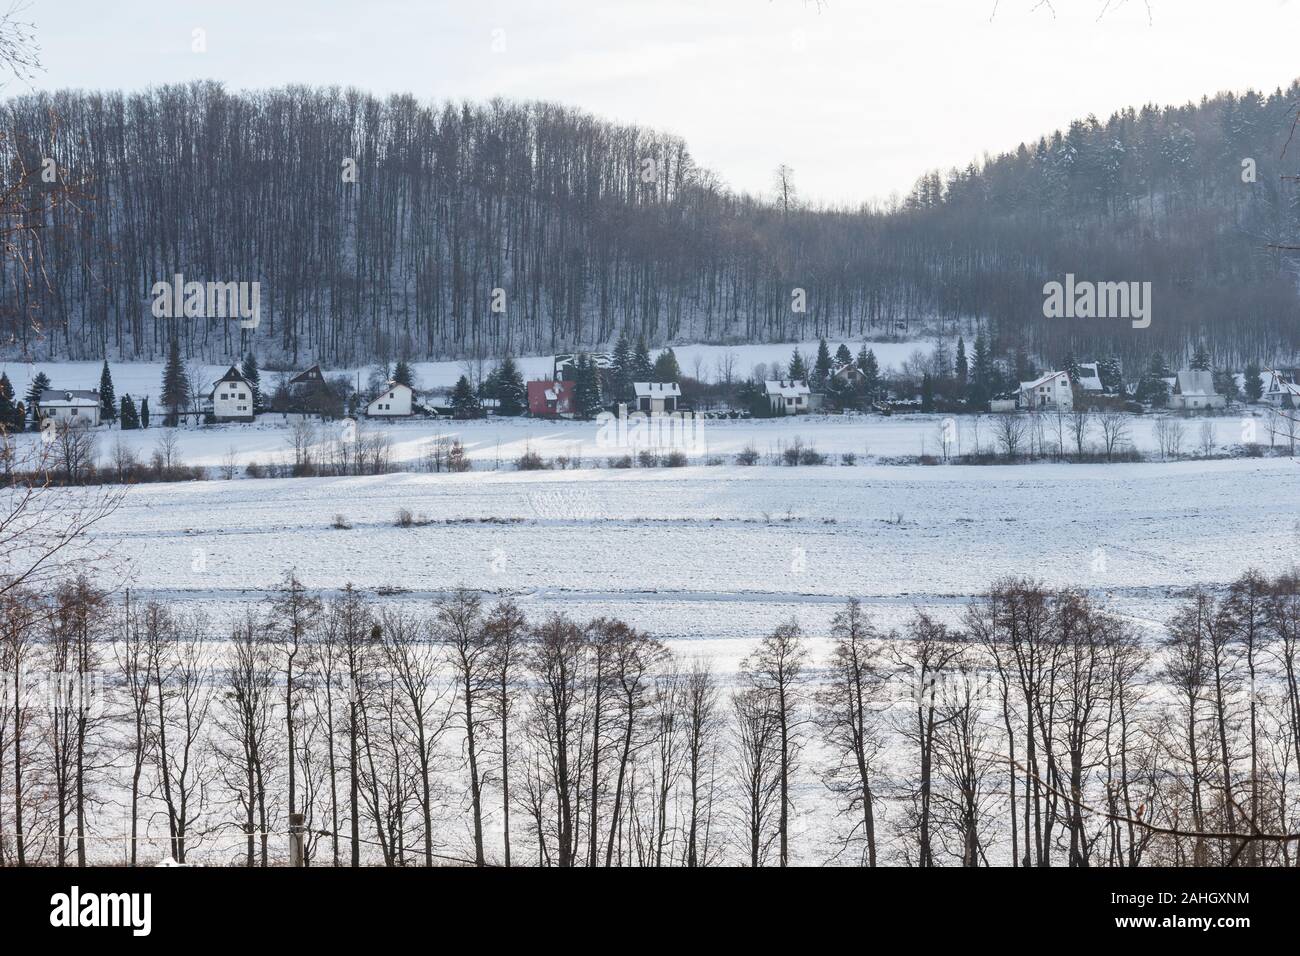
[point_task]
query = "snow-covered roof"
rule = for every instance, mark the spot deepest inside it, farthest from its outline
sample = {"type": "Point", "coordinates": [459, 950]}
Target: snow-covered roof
{"type": "Point", "coordinates": [1089, 377]}
{"type": "Point", "coordinates": [1041, 380]}
{"type": "Point", "coordinates": [657, 389]}
{"type": "Point", "coordinates": [69, 398]}
{"type": "Point", "coordinates": [787, 389]}
{"type": "Point", "coordinates": [1195, 382]}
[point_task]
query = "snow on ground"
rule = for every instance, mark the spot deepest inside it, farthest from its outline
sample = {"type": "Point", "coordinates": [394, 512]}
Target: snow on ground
{"type": "Point", "coordinates": [139, 379]}
{"type": "Point", "coordinates": [717, 556]}
{"type": "Point", "coordinates": [494, 442]}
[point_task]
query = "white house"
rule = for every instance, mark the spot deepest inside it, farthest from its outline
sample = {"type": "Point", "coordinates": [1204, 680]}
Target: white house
{"type": "Point", "coordinates": [70, 405]}
{"type": "Point", "coordinates": [1052, 391]}
{"type": "Point", "coordinates": [231, 398]}
{"type": "Point", "coordinates": [395, 401]}
{"type": "Point", "coordinates": [657, 396]}
{"type": "Point", "coordinates": [792, 397]}
{"type": "Point", "coordinates": [1195, 389]}
{"type": "Point", "coordinates": [1280, 388]}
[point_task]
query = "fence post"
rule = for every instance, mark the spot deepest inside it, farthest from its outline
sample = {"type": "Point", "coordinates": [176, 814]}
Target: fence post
{"type": "Point", "coordinates": [297, 839]}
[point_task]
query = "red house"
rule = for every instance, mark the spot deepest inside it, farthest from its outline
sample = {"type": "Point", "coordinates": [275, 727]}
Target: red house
{"type": "Point", "coordinates": [547, 399]}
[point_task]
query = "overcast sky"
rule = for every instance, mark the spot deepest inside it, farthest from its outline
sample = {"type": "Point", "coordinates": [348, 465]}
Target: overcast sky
{"type": "Point", "coordinates": [858, 97]}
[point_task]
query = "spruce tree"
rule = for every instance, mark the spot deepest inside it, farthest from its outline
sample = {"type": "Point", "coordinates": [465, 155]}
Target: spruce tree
{"type": "Point", "coordinates": [620, 369]}
{"type": "Point", "coordinates": [107, 399]}
{"type": "Point", "coordinates": [403, 375]}
{"type": "Point", "coordinates": [130, 418]}
{"type": "Point", "coordinates": [7, 407]}
{"type": "Point", "coordinates": [927, 393]}
{"type": "Point", "coordinates": [144, 412]}
{"type": "Point", "coordinates": [822, 367]}
{"type": "Point", "coordinates": [1200, 359]}
{"type": "Point", "coordinates": [175, 384]}
{"type": "Point", "coordinates": [39, 384]}
{"type": "Point", "coordinates": [979, 390]}
{"type": "Point", "coordinates": [20, 417]}
{"type": "Point", "coordinates": [1111, 374]}
{"type": "Point", "coordinates": [1254, 382]}
{"type": "Point", "coordinates": [642, 368]}
{"type": "Point", "coordinates": [666, 368]}
{"type": "Point", "coordinates": [870, 374]}
{"type": "Point", "coordinates": [798, 371]}
{"type": "Point", "coordinates": [963, 367]}
{"type": "Point", "coordinates": [842, 355]}
{"type": "Point", "coordinates": [248, 368]}
{"type": "Point", "coordinates": [512, 396]}
{"type": "Point", "coordinates": [464, 403]}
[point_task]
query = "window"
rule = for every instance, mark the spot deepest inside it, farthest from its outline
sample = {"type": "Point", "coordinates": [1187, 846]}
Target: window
{"type": "Point", "coordinates": [224, 396]}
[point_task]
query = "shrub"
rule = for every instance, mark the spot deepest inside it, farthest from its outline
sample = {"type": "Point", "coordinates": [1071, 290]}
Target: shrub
{"type": "Point", "coordinates": [811, 456]}
{"type": "Point", "coordinates": [404, 518]}
{"type": "Point", "coordinates": [254, 470]}
{"type": "Point", "coordinates": [747, 456]}
{"type": "Point", "coordinates": [530, 461]}
{"type": "Point", "coordinates": [675, 459]}
{"type": "Point", "coordinates": [848, 458]}
{"type": "Point", "coordinates": [647, 459]}
{"type": "Point", "coordinates": [624, 462]}
{"type": "Point", "coordinates": [342, 523]}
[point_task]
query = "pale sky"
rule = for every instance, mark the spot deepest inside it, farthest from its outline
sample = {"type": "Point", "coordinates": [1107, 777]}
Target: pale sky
{"type": "Point", "coordinates": [858, 97]}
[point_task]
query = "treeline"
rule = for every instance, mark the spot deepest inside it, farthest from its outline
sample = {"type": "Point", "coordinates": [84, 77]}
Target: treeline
{"type": "Point", "coordinates": [1040, 730]}
{"type": "Point", "coordinates": [383, 230]}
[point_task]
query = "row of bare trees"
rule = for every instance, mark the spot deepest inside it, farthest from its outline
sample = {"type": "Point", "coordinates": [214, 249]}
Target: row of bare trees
{"type": "Point", "coordinates": [1039, 728]}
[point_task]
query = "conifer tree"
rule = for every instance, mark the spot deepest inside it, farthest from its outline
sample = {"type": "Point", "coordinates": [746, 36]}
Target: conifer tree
{"type": "Point", "coordinates": [464, 402]}
{"type": "Point", "coordinates": [798, 370]}
{"type": "Point", "coordinates": [870, 374]}
{"type": "Point", "coordinates": [842, 355]}
{"type": "Point", "coordinates": [1254, 382]}
{"type": "Point", "coordinates": [144, 412]}
{"type": "Point", "coordinates": [666, 368]}
{"type": "Point", "coordinates": [39, 384]}
{"type": "Point", "coordinates": [642, 368]}
{"type": "Point", "coordinates": [403, 375]}
{"type": "Point", "coordinates": [511, 395]}
{"type": "Point", "coordinates": [822, 367]}
{"type": "Point", "coordinates": [621, 367]}
{"type": "Point", "coordinates": [1200, 359]}
{"type": "Point", "coordinates": [175, 384]}
{"type": "Point", "coordinates": [107, 398]}
{"type": "Point", "coordinates": [7, 407]}
{"type": "Point", "coordinates": [130, 418]}
{"type": "Point", "coordinates": [248, 368]}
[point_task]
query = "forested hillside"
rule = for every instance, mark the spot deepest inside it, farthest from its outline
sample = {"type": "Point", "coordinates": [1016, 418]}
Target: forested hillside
{"type": "Point", "coordinates": [592, 228]}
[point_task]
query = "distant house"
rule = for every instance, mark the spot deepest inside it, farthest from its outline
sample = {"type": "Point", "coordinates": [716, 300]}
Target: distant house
{"type": "Point", "coordinates": [309, 394]}
{"type": "Point", "coordinates": [657, 396]}
{"type": "Point", "coordinates": [849, 374]}
{"type": "Point", "coordinates": [311, 376]}
{"type": "Point", "coordinates": [1281, 387]}
{"type": "Point", "coordinates": [1089, 377]}
{"type": "Point", "coordinates": [789, 396]}
{"type": "Point", "coordinates": [76, 406]}
{"type": "Point", "coordinates": [1050, 391]}
{"type": "Point", "coordinates": [1195, 389]}
{"type": "Point", "coordinates": [231, 398]}
{"type": "Point", "coordinates": [547, 399]}
{"type": "Point", "coordinates": [395, 401]}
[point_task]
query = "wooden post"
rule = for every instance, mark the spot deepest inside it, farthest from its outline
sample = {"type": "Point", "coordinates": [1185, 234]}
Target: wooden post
{"type": "Point", "coordinates": [297, 839]}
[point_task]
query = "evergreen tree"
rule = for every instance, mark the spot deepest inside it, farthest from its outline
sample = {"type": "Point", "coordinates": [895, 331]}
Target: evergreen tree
{"type": "Point", "coordinates": [1225, 383]}
{"type": "Point", "coordinates": [403, 375]}
{"type": "Point", "coordinates": [1111, 374]}
{"type": "Point", "coordinates": [666, 368]}
{"type": "Point", "coordinates": [963, 368]}
{"type": "Point", "coordinates": [20, 417]}
{"type": "Point", "coordinates": [586, 389]}
{"type": "Point", "coordinates": [842, 355]}
{"type": "Point", "coordinates": [39, 384]}
{"type": "Point", "coordinates": [129, 416]}
{"type": "Point", "coordinates": [512, 395]}
{"type": "Point", "coordinates": [1159, 368]}
{"type": "Point", "coordinates": [1200, 359]}
{"type": "Point", "coordinates": [1071, 366]}
{"type": "Point", "coordinates": [7, 407]}
{"type": "Point", "coordinates": [798, 371]}
{"type": "Point", "coordinates": [980, 389]}
{"type": "Point", "coordinates": [144, 412]}
{"type": "Point", "coordinates": [175, 384]}
{"type": "Point", "coordinates": [622, 363]}
{"type": "Point", "coordinates": [927, 393]}
{"type": "Point", "coordinates": [1024, 367]}
{"type": "Point", "coordinates": [248, 368]}
{"type": "Point", "coordinates": [1254, 382]}
{"type": "Point", "coordinates": [642, 368]}
{"type": "Point", "coordinates": [870, 374]}
{"type": "Point", "coordinates": [107, 398]}
{"type": "Point", "coordinates": [464, 403]}
{"type": "Point", "coordinates": [822, 367]}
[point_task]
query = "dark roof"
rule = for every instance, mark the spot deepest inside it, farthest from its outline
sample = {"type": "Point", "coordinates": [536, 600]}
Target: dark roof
{"type": "Point", "coordinates": [312, 374]}
{"type": "Point", "coordinates": [56, 395]}
{"type": "Point", "coordinates": [232, 375]}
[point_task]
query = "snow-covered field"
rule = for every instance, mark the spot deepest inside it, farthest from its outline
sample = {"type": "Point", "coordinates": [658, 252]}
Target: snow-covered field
{"type": "Point", "coordinates": [716, 556]}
